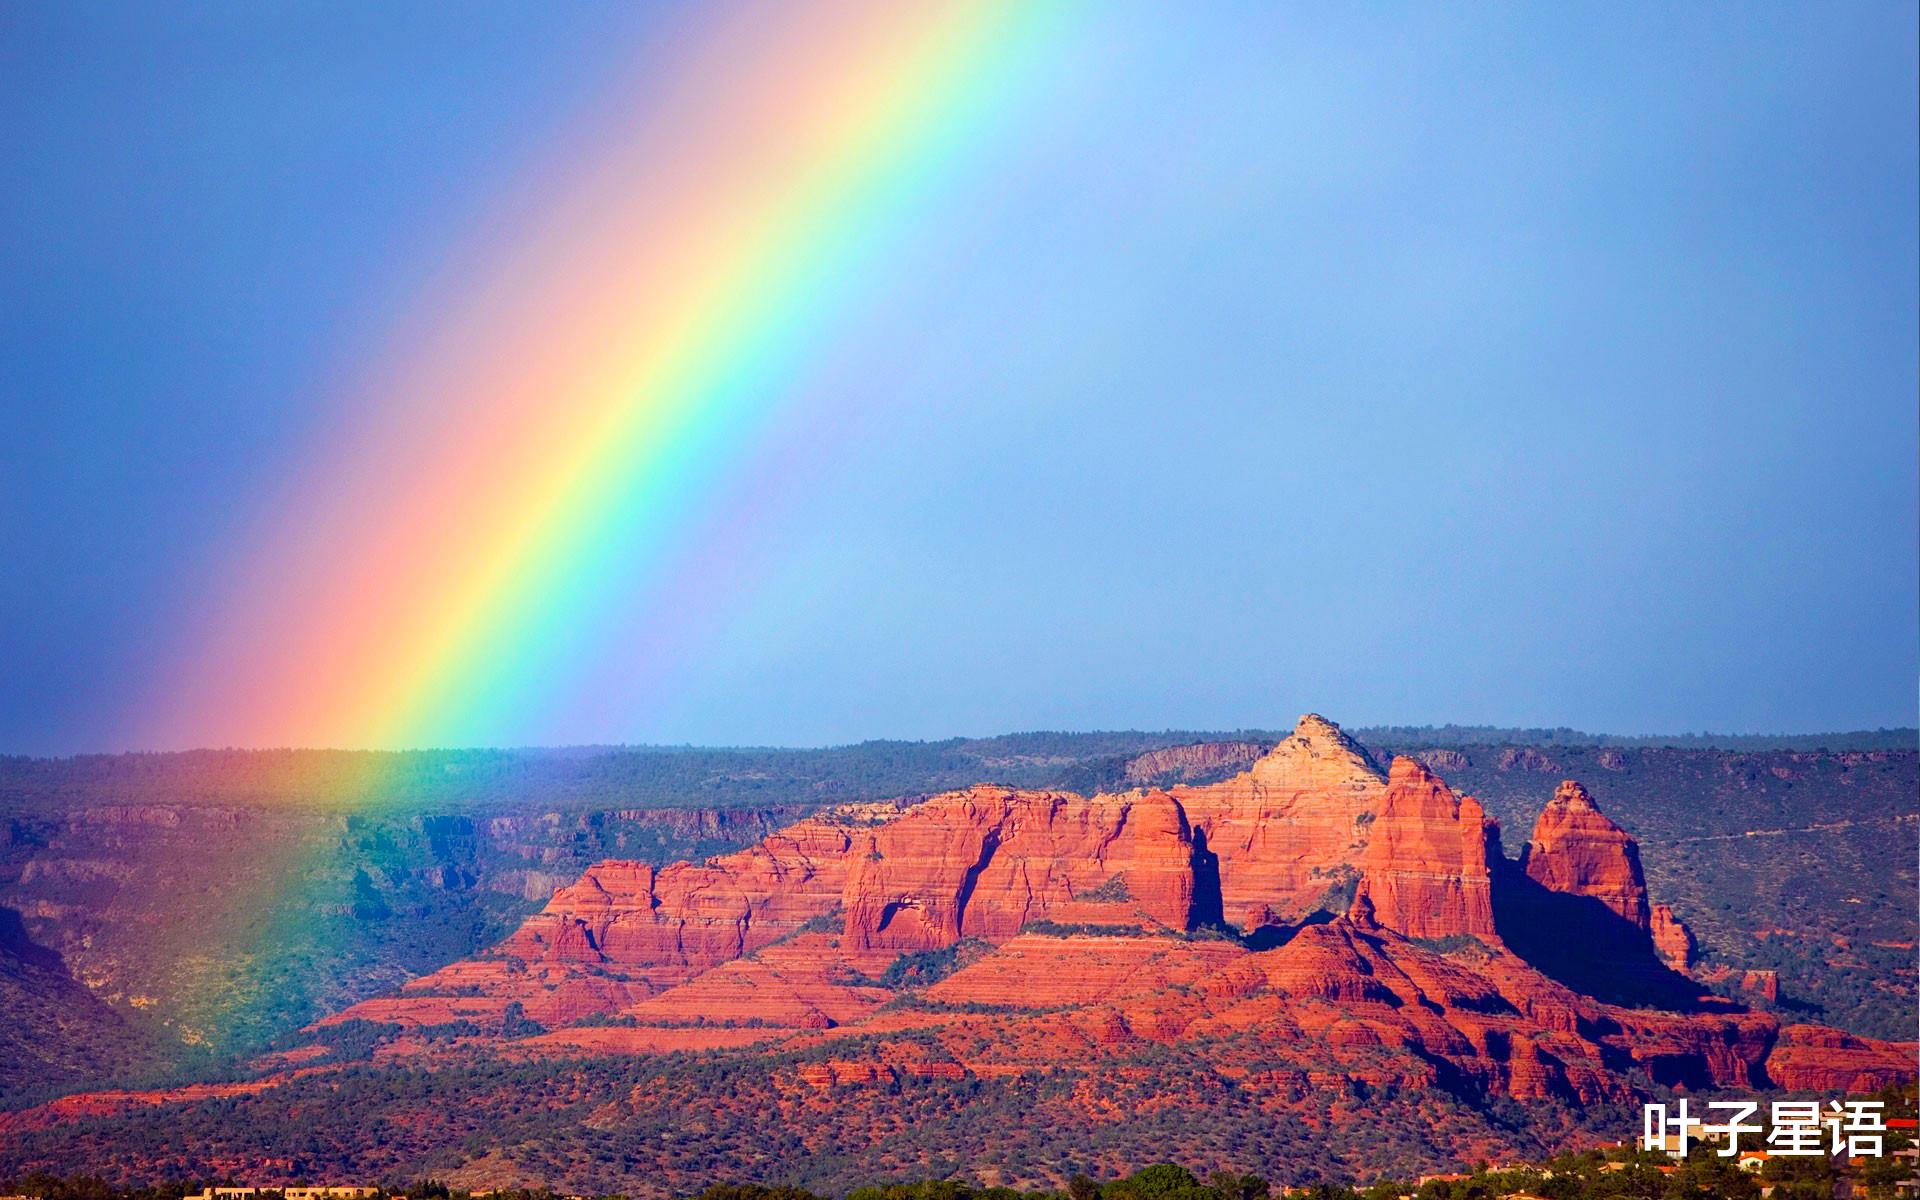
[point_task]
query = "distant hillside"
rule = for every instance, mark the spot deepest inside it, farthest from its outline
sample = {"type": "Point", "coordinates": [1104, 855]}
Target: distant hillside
{"type": "Point", "coordinates": [1489, 735]}
{"type": "Point", "coordinates": [560, 780]}
{"type": "Point", "coordinates": [598, 777]}
{"type": "Point", "coordinates": [57, 1035]}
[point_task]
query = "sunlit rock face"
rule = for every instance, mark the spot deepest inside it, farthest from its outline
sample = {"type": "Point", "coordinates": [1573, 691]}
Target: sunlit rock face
{"type": "Point", "coordinates": [1428, 872]}
{"type": "Point", "coordinates": [1290, 827]}
{"type": "Point", "coordinates": [1576, 849]}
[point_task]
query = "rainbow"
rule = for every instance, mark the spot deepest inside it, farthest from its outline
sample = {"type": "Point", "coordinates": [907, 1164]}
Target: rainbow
{"type": "Point", "coordinates": [529, 464]}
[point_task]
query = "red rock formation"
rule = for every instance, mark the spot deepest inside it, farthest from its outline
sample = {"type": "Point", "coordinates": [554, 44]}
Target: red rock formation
{"type": "Point", "coordinates": [667, 925]}
{"type": "Point", "coordinates": [1811, 1058]}
{"type": "Point", "coordinates": [1046, 971]}
{"type": "Point", "coordinates": [1291, 827]}
{"type": "Point", "coordinates": [984, 862]}
{"type": "Point", "coordinates": [1377, 1008]}
{"type": "Point", "coordinates": [625, 930]}
{"type": "Point", "coordinates": [1427, 866]}
{"type": "Point", "coordinates": [801, 983]}
{"type": "Point", "coordinates": [1576, 849]}
{"type": "Point", "coordinates": [1355, 1005]}
{"type": "Point", "coordinates": [1672, 940]}
{"type": "Point", "coordinates": [1764, 984]}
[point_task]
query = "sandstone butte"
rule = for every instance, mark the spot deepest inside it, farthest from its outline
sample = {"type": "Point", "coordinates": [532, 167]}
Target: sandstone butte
{"type": "Point", "coordinates": [1386, 941]}
{"type": "Point", "coordinates": [1577, 850]}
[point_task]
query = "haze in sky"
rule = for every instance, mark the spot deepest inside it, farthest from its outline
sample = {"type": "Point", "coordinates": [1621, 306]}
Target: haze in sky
{"type": "Point", "coordinates": [1544, 365]}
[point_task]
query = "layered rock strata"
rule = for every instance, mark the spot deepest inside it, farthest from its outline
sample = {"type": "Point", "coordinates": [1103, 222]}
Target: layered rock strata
{"type": "Point", "coordinates": [1577, 850]}
{"type": "Point", "coordinates": [984, 862]}
{"type": "Point", "coordinates": [1428, 867]}
{"type": "Point", "coordinates": [1291, 827]}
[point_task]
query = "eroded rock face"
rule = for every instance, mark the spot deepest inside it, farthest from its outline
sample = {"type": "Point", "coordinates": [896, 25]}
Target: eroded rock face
{"type": "Point", "coordinates": [1813, 1058]}
{"type": "Point", "coordinates": [984, 862]}
{"type": "Point", "coordinates": [1764, 984]}
{"type": "Point", "coordinates": [1672, 940]}
{"type": "Point", "coordinates": [1575, 907]}
{"type": "Point", "coordinates": [1577, 850]}
{"type": "Point", "coordinates": [1427, 865]}
{"type": "Point", "coordinates": [1288, 829]}
{"type": "Point", "coordinates": [1444, 760]}
{"type": "Point", "coordinates": [663, 926]}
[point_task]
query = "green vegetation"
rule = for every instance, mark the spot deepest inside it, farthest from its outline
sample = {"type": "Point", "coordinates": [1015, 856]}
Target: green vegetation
{"type": "Point", "coordinates": [514, 1022]}
{"type": "Point", "coordinates": [1077, 929]}
{"type": "Point", "coordinates": [923, 967]}
{"type": "Point", "coordinates": [1451, 944]}
{"type": "Point", "coordinates": [677, 1122]}
{"type": "Point", "coordinates": [346, 1041]}
{"type": "Point", "coordinates": [1589, 1175]}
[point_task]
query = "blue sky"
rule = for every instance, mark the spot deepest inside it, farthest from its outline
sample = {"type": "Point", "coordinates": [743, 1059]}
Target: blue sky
{"type": "Point", "coordinates": [1546, 365]}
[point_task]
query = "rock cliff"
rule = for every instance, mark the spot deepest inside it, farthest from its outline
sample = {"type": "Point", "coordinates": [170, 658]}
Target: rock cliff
{"type": "Point", "coordinates": [1428, 872]}
{"type": "Point", "coordinates": [1576, 850]}
{"type": "Point", "coordinates": [1672, 940]}
{"type": "Point", "coordinates": [1186, 764]}
{"type": "Point", "coordinates": [672, 923]}
{"type": "Point", "coordinates": [1289, 828]}
{"type": "Point", "coordinates": [983, 862]}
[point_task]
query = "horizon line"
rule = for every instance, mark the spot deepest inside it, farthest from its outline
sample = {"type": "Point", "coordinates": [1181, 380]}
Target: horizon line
{"type": "Point", "coordinates": [1387, 731]}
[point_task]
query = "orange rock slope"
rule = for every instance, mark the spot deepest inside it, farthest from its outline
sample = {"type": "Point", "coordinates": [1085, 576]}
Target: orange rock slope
{"type": "Point", "coordinates": [1290, 828]}
{"type": "Point", "coordinates": [1577, 850]}
{"type": "Point", "coordinates": [1383, 937]}
{"type": "Point", "coordinates": [984, 862]}
{"type": "Point", "coordinates": [1429, 866]}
